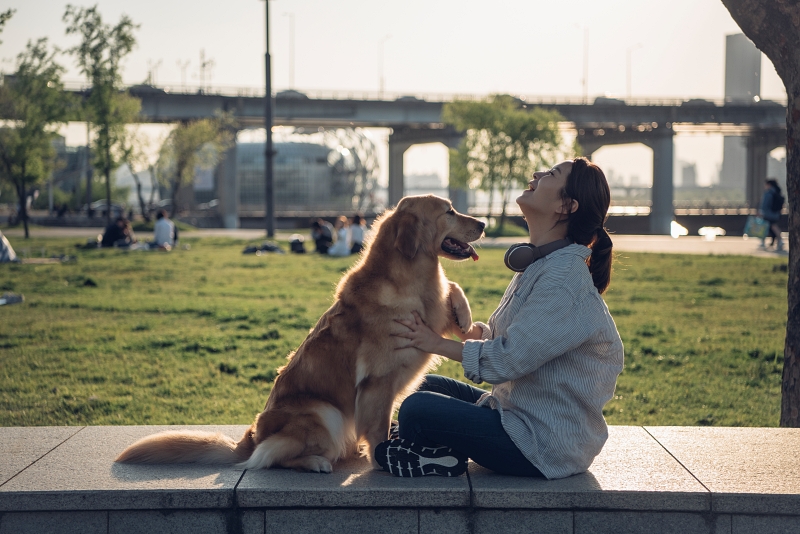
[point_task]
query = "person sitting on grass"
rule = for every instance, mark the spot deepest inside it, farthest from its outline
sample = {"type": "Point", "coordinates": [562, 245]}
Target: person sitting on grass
{"type": "Point", "coordinates": [163, 232]}
{"type": "Point", "coordinates": [322, 234]}
{"type": "Point", "coordinates": [550, 350]}
{"type": "Point", "coordinates": [118, 234]}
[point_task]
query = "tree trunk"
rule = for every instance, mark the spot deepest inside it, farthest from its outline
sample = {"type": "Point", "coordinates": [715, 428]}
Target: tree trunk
{"type": "Point", "coordinates": [107, 172]}
{"type": "Point", "coordinates": [153, 185]}
{"type": "Point", "coordinates": [23, 206]}
{"type": "Point", "coordinates": [145, 216]}
{"type": "Point", "coordinates": [504, 198]}
{"type": "Point", "coordinates": [790, 383]}
{"type": "Point", "coordinates": [774, 27]}
{"type": "Point", "coordinates": [176, 185]}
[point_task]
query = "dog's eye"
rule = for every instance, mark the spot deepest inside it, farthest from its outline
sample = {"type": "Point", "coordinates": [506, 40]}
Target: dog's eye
{"type": "Point", "coordinates": [451, 211]}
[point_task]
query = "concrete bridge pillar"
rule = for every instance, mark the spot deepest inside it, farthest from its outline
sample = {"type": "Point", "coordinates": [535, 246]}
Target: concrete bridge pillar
{"type": "Point", "coordinates": [759, 144]}
{"type": "Point", "coordinates": [662, 211]}
{"type": "Point", "coordinates": [397, 148]}
{"type": "Point", "coordinates": [228, 189]}
{"type": "Point", "coordinates": [660, 140]}
{"type": "Point", "coordinates": [400, 140]}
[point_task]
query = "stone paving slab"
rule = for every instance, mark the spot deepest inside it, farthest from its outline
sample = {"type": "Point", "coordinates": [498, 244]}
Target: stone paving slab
{"type": "Point", "coordinates": [171, 521]}
{"type": "Point", "coordinates": [81, 475]}
{"type": "Point", "coordinates": [22, 446]}
{"type": "Point", "coordinates": [633, 472]}
{"type": "Point", "coordinates": [747, 470]}
{"type": "Point", "coordinates": [594, 522]}
{"type": "Point", "coordinates": [336, 521]}
{"type": "Point", "coordinates": [353, 483]}
{"type": "Point", "coordinates": [87, 522]}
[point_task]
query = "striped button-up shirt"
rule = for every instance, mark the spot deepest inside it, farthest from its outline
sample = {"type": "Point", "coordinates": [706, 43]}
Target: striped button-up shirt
{"type": "Point", "coordinates": [553, 354]}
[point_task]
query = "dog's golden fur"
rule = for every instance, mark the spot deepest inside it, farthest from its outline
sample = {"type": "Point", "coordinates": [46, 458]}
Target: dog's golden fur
{"type": "Point", "coordinates": [338, 389]}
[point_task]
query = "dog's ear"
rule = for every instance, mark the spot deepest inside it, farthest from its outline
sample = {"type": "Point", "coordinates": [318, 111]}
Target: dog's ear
{"type": "Point", "coordinates": [407, 227]}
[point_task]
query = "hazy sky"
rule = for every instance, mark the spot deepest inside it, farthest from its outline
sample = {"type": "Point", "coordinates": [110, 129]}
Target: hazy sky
{"type": "Point", "coordinates": [527, 47]}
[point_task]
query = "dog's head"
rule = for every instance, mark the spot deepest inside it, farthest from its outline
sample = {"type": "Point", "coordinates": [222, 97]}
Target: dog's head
{"type": "Point", "coordinates": [429, 223]}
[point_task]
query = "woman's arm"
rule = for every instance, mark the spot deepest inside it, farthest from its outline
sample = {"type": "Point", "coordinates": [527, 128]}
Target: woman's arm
{"type": "Point", "coordinates": [550, 323]}
{"type": "Point", "coordinates": [421, 337]}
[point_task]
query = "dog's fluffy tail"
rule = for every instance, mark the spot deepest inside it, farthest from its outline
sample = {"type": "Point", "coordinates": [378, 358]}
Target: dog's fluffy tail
{"type": "Point", "coordinates": [188, 446]}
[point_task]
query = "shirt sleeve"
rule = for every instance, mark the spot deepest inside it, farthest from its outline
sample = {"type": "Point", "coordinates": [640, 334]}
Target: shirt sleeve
{"type": "Point", "coordinates": [486, 330]}
{"type": "Point", "coordinates": [550, 323]}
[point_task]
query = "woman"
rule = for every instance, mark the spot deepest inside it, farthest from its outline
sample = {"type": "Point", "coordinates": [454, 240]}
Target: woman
{"type": "Point", "coordinates": [551, 351]}
{"type": "Point", "coordinates": [340, 247]}
{"type": "Point", "coordinates": [771, 206]}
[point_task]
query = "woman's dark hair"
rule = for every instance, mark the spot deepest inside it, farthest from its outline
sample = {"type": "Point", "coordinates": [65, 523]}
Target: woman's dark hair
{"type": "Point", "coordinates": [587, 185]}
{"type": "Point", "coordinates": [774, 184]}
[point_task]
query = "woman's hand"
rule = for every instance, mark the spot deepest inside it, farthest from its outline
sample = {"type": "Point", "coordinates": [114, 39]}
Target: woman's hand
{"type": "Point", "coordinates": [421, 337]}
{"type": "Point", "coordinates": [475, 332]}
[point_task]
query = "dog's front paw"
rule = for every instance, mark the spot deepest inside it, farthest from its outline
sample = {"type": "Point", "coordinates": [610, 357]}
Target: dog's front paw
{"type": "Point", "coordinates": [462, 315]}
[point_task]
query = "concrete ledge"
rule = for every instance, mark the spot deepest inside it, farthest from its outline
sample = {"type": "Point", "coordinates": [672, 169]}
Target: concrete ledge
{"type": "Point", "coordinates": [647, 479]}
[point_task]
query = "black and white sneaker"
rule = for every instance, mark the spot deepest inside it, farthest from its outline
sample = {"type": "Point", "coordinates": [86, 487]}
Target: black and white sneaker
{"type": "Point", "coordinates": [394, 430]}
{"type": "Point", "coordinates": [405, 459]}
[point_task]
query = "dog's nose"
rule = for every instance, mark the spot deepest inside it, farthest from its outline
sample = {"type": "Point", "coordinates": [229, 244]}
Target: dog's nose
{"type": "Point", "coordinates": [481, 225]}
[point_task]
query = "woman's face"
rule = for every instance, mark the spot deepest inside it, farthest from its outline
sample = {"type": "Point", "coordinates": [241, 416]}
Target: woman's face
{"type": "Point", "coordinates": [543, 196]}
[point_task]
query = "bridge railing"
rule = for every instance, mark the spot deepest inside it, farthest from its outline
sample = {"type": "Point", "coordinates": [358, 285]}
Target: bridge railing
{"type": "Point", "coordinates": [344, 94]}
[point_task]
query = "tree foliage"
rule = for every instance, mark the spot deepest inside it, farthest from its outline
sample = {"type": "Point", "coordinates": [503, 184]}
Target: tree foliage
{"type": "Point", "coordinates": [99, 55]}
{"type": "Point", "coordinates": [133, 151]}
{"type": "Point", "coordinates": [774, 27]}
{"type": "Point", "coordinates": [4, 17]}
{"type": "Point", "coordinates": [34, 100]}
{"type": "Point", "coordinates": [191, 146]}
{"type": "Point", "coordinates": [504, 142]}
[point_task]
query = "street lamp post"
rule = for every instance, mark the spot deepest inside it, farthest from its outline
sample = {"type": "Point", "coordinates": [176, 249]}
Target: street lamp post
{"type": "Point", "coordinates": [183, 65]}
{"type": "Point", "coordinates": [380, 64]}
{"type": "Point", "coordinates": [628, 69]}
{"type": "Point", "coordinates": [291, 47]}
{"type": "Point", "coordinates": [585, 78]}
{"type": "Point", "coordinates": [269, 195]}
{"type": "Point", "coordinates": [586, 65]}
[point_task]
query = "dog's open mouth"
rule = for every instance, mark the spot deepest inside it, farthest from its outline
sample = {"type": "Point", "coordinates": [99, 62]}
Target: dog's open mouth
{"type": "Point", "coordinates": [459, 249]}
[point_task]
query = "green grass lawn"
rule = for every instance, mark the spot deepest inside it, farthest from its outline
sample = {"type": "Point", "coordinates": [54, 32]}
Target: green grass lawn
{"type": "Point", "coordinates": [195, 336]}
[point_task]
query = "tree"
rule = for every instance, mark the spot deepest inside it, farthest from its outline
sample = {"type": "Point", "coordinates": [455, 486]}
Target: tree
{"type": "Point", "coordinates": [4, 17]}
{"type": "Point", "coordinates": [33, 100]}
{"type": "Point", "coordinates": [99, 56]}
{"type": "Point", "coordinates": [133, 152]}
{"type": "Point", "coordinates": [504, 142]}
{"type": "Point", "coordinates": [191, 146]}
{"type": "Point", "coordinates": [774, 27]}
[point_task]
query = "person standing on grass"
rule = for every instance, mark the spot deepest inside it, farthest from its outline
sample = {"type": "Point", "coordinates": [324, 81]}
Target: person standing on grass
{"type": "Point", "coordinates": [163, 231]}
{"type": "Point", "coordinates": [550, 350]}
{"type": "Point", "coordinates": [771, 206]}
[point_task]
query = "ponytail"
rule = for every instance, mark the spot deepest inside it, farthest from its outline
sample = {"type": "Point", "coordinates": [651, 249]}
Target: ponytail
{"type": "Point", "coordinates": [587, 184]}
{"type": "Point", "coordinates": [600, 260]}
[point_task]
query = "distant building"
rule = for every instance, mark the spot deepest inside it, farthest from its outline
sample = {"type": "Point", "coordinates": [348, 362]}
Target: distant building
{"type": "Point", "coordinates": [308, 177]}
{"type": "Point", "coordinates": [742, 68]}
{"type": "Point", "coordinates": [742, 83]}
{"type": "Point", "coordinates": [69, 172]}
{"type": "Point", "coordinates": [688, 174]}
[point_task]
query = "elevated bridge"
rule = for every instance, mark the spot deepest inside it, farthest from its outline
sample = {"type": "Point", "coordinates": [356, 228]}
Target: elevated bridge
{"type": "Point", "coordinates": [416, 119]}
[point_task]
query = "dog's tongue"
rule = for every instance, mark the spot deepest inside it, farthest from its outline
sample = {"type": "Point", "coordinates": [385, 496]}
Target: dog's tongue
{"type": "Point", "coordinates": [473, 254]}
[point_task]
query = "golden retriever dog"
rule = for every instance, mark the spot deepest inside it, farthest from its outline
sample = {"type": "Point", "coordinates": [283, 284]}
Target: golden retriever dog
{"type": "Point", "coordinates": [336, 394]}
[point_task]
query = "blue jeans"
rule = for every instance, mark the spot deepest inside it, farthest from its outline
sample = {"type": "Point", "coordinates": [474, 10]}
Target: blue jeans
{"type": "Point", "coordinates": [443, 412]}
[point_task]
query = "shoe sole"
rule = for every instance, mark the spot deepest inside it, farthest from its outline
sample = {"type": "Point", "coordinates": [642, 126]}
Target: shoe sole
{"type": "Point", "coordinates": [409, 460]}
